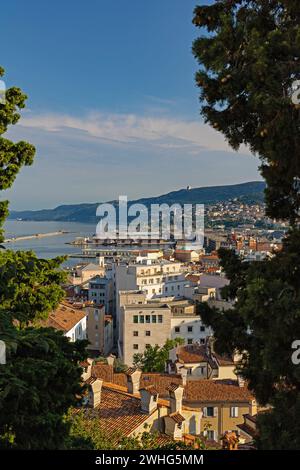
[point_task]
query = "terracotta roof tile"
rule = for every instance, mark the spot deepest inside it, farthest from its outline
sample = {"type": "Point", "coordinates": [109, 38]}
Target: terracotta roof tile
{"type": "Point", "coordinates": [177, 417]}
{"type": "Point", "coordinates": [152, 390]}
{"type": "Point", "coordinates": [118, 412]}
{"type": "Point", "coordinates": [64, 318]}
{"type": "Point", "coordinates": [204, 390]}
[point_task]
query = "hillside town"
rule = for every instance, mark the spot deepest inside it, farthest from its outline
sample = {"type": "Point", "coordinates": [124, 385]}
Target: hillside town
{"type": "Point", "coordinates": [125, 302]}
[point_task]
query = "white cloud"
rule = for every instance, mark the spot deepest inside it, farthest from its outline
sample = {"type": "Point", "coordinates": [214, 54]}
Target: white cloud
{"type": "Point", "coordinates": [160, 132]}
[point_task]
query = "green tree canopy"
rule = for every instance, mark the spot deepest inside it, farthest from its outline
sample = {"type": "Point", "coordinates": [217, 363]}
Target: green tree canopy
{"type": "Point", "coordinates": [249, 57]}
{"type": "Point", "coordinates": [12, 155]}
{"type": "Point", "coordinates": [155, 357]}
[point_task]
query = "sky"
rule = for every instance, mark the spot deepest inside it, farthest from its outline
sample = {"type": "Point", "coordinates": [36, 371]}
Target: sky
{"type": "Point", "coordinates": [112, 105]}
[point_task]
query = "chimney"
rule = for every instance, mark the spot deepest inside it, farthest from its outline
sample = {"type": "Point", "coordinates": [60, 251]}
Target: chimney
{"type": "Point", "coordinates": [174, 426]}
{"type": "Point", "coordinates": [209, 347]}
{"type": "Point", "coordinates": [149, 397]}
{"type": "Point", "coordinates": [253, 408]}
{"type": "Point", "coordinates": [241, 381]}
{"type": "Point", "coordinates": [176, 395]}
{"type": "Point", "coordinates": [183, 371]}
{"type": "Point", "coordinates": [87, 369]}
{"type": "Point", "coordinates": [133, 380]}
{"type": "Point", "coordinates": [95, 393]}
{"type": "Point", "coordinates": [173, 354]}
{"type": "Point", "coordinates": [110, 360]}
{"type": "Point", "coordinates": [2, 352]}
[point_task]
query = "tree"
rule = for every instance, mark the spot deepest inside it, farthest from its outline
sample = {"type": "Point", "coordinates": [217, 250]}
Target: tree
{"type": "Point", "coordinates": [29, 287]}
{"type": "Point", "coordinates": [39, 383]}
{"type": "Point", "coordinates": [249, 59]}
{"type": "Point", "coordinates": [41, 379]}
{"type": "Point", "coordinates": [12, 155]}
{"type": "Point", "coordinates": [155, 357]}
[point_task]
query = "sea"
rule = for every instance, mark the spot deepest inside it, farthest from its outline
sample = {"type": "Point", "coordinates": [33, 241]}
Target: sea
{"type": "Point", "coordinates": [48, 247]}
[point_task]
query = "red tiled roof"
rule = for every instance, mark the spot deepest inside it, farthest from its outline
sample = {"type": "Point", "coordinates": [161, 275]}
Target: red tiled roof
{"type": "Point", "coordinates": [152, 390]}
{"type": "Point", "coordinates": [177, 417]}
{"type": "Point", "coordinates": [118, 412]}
{"type": "Point", "coordinates": [64, 318]}
{"type": "Point", "coordinates": [200, 390]}
{"type": "Point", "coordinates": [204, 390]}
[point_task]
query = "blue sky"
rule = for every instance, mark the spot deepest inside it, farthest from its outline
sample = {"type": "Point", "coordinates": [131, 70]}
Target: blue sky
{"type": "Point", "coordinates": [112, 105]}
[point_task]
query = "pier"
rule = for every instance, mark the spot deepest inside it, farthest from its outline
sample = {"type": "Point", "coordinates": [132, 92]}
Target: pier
{"type": "Point", "coordinates": [36, 235]}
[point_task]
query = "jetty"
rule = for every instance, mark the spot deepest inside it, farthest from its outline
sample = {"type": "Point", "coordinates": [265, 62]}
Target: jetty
{"type": "Point", "coordinates": [36, 235]}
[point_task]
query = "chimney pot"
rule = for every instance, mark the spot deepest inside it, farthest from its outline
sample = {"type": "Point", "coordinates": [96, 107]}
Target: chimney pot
{"type": "Point", "coordinates": [111, 360]}
{"type": "Point", "coordinates": [133, 380]}
{"type": "Point", "coordinates": [95, 389]}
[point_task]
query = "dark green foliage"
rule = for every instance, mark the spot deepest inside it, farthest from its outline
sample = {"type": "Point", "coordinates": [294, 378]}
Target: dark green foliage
{"type": "Point", "coordinates": [12, 155]}
{"type": "Point", "coordinates": [37, 386]}
{"type": "Point", "coordinates": [29, 287]}
{"type": "Point", "coordinates": [248, 62]}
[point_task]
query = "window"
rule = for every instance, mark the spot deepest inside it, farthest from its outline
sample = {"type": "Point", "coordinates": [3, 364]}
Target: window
{"type": "Point", "coordinates": [190, 341]}
{"type": "Point", "coordinates": [135, 333]}
{"type": "Point", "coordinates": [148, 333]}
{"type": "Point", "coordinates": [166, 289]}
{"type": "Point", "coordinates": [148, 345]}
{"type": "Point", "coordinates": [202, 341]}
{"type": "Point", "coordinates": [234, 412]}
{"type": "Point", "coordinates": [210, 435]}
{"type": "Point", "coordinates": [96, 327]}
{"type": "Point", "coordinates": [96, 315]}
{"type": "Point", "coordinates": [190, 329]}
{"type": "Point", "coordinates": [153, 318]}
{"type": "Point", "coordinates": [177, 329]}
{"type": "Point", "coordinates": [135, 346]}
{"type": "Point", "coordinates": [210, 411]}
{"type": "Point", "coordinates": [148, 319]}
{"type": "Point", "coordinates": [142, 319]}
{"type": "Point", "coordinates": [153, 291]}
{"type": "Point", "coordinates": [160, 318]}
{"type": "Point", "coordinates": [202, 328]}
{"type": "Point", "coordinates": [135, 319]}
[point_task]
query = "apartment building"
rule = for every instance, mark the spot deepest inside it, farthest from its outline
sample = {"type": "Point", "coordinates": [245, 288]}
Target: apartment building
{"type": "Point", "coordinates": [223, 406]}
{"type": "Point", "coordinates": [155, 321]}
{"type": "Point", "coordinates": [83, 272]}
{"type": "Point", "coordinates": [185, 321]}
{"type": "Point", "coordinates": [99, 330]}
{"type": "Point", "coordinates": [143, 325]}
{"type": "Point", "coordinates": [101, 291]}
{"type": "Point", "coordinates": [156, 277]}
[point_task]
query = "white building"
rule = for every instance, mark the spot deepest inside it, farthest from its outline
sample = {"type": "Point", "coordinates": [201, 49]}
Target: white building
{"type": "Point", "coordinates": [155, 277]}
{"type": "Point", "coordinates": [69, 319]}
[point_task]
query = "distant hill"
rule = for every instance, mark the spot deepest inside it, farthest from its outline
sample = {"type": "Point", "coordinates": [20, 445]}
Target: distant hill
{"type": "Point", "coordinates": [248, 192]}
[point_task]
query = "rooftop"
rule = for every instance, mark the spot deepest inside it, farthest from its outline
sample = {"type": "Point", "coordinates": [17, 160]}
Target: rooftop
{"type": "Point", "coordinates": [65, 317]}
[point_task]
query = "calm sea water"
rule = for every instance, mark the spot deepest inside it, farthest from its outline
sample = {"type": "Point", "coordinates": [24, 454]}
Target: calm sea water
{"type": "Point", "coordinates": [47, 247]}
